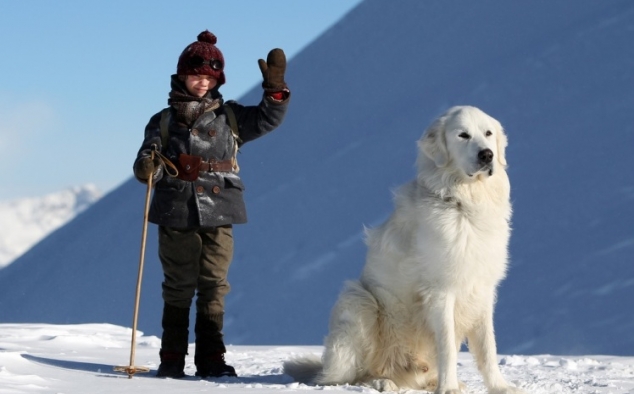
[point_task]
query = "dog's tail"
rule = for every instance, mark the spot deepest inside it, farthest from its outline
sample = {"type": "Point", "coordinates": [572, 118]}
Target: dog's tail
{"type": "Point", "coordinates": [304, 369]}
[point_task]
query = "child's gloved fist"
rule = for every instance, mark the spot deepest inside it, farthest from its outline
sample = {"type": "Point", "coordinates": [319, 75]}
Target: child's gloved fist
{"type": "Point", "coordinates": [273, 71]}
{"type": "Point", "coordinates": [145, 167]}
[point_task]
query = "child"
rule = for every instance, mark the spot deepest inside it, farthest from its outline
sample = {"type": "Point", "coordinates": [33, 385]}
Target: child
{"type": "Point", "coordinates": [195, 211]}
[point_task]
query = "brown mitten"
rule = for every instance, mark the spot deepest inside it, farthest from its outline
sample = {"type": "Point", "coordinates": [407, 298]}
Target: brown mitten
{"type": "Point", "coordinates": [273, 71]}
{"type": "Point", "coordinates": [145, 167]}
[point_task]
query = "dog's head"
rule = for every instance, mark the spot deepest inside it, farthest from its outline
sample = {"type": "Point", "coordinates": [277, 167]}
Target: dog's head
{"type": "Point", "coordinates": [467, 139]}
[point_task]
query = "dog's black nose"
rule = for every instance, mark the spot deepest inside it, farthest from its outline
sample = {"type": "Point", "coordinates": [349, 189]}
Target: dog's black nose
{"type": "Point", "coordinates": [485, 156]}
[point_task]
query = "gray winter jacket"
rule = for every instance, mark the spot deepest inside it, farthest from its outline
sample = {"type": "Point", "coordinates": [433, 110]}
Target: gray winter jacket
{"type": "Point", "coordinates": [215, 198]}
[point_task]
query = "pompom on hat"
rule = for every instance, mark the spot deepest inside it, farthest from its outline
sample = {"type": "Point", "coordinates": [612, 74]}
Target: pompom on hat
{"type": "Point", "coordinates": [202, 58]}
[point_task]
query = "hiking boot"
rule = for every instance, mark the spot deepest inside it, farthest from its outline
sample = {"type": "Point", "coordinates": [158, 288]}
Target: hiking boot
{"type": "Point", "coordinates": [214, 365]}
{"type": "Point", "coordinates": [172, 365]}
{"type": "Point", "coordinates": [174, 344]}
{"type": "Point", "coordinates": [210, 348]}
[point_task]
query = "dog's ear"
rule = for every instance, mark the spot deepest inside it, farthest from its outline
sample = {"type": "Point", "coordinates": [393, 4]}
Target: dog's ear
{"type": "Point", "coordinates": [433, 144]}
{"type": "Point", "coordinates": [502, 142]}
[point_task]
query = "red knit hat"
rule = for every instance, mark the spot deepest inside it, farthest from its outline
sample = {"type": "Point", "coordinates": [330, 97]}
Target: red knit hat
{"type": "Point", "coordinates": [202, 58]}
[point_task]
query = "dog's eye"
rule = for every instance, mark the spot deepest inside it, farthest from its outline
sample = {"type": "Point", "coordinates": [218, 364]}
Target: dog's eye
{"type": "Point", "coordinates": [488, 133]}
{"type": "Point", "coordinates": [464, 135]}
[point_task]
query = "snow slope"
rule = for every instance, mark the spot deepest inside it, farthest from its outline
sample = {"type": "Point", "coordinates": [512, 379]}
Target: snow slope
{"type": "Point", "coordinates": [558, 77]}
{"type": "Point", "coordinates": [75, 359]}
{"type": "Point", "coordinates": [23, 222]}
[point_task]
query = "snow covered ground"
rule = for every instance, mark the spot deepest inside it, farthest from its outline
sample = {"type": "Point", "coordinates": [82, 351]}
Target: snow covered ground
{"type": "Point", "coordinates": [69, 359]}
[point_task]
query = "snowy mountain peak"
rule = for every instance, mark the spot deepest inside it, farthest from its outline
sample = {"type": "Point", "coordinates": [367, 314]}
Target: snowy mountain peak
{"type": "Point", "coordinates": [25, 221]}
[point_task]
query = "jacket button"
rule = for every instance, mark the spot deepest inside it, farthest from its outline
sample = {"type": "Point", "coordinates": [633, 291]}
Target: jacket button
{"type": "Point", "coordinates": [200, 189]}
{"type": "Point", "coordinates": [195, 131]}
{"type": "Point", "coordinates": [216, 189]}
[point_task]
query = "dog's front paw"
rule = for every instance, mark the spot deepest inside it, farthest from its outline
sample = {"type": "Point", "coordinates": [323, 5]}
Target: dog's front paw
{"type": "Point", "coordinates": [384, 385]}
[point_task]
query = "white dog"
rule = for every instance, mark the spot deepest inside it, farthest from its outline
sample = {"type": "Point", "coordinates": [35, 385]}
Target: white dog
{"type": "Point", "coordinates": [431, 272]}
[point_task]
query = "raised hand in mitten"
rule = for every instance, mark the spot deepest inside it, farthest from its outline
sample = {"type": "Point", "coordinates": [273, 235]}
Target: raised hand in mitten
{"type": "Point", "coordinates": [273, 71]}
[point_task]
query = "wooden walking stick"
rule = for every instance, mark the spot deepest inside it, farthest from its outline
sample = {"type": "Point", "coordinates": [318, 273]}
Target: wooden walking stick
{"type": "Point", "coordinates": [132, 369]}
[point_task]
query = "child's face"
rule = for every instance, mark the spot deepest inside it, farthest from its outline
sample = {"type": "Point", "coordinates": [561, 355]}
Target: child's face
{"type": "Point", "coordinates": [198, 85]}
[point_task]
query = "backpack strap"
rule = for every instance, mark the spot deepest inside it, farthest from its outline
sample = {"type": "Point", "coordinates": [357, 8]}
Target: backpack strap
{"type": "Point", "coordinates": [233, 124]}
{"type": "Point", "coordinates": [164, 126]}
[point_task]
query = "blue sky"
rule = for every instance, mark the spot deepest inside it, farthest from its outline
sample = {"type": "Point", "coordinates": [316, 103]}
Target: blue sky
{"type": "Point", "coordinates": [80, 79]}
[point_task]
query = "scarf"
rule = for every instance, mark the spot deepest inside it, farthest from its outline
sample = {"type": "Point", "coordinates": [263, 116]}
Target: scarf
{"type": "Point", "coordinates": [189, 108]}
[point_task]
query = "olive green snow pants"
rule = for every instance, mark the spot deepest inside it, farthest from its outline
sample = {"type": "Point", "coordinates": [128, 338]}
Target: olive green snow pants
{"type": "Point", "coordinates": [196, 259]}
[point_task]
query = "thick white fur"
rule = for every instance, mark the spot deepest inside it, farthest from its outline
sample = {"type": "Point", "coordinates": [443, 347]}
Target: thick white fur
{"type": "Point", "coordinates": [431, 272]}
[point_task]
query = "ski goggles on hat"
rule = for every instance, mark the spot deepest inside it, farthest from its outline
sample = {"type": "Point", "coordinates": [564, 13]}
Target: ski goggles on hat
{"type": "Point", "coordinates": [198, 61]}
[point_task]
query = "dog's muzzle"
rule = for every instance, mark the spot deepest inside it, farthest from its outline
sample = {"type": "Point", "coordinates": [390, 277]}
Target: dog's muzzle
{"type": "Point", "coordinates": [485, 160]}
{"type": "Point", "coordinates": [485, 157]}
